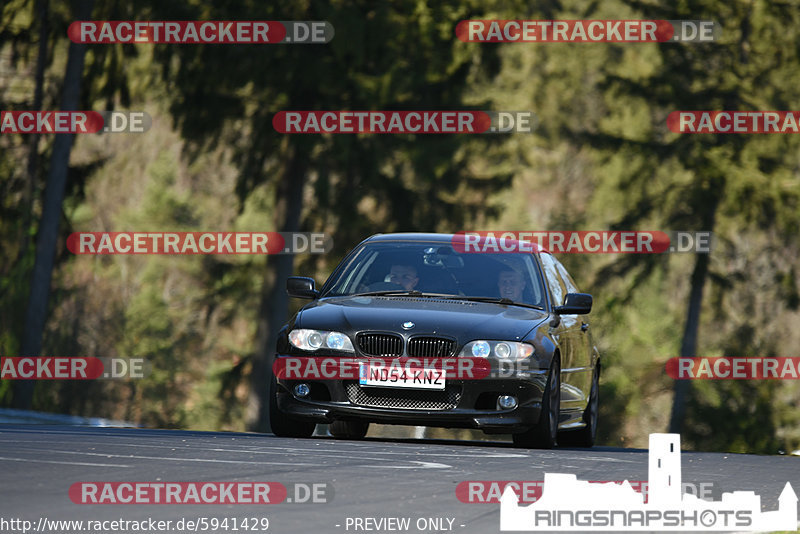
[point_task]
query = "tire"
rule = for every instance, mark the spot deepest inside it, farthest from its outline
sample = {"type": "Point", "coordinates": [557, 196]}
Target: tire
{"type": "Point", "coordinates": [586, 436]}
{"type": "Point", "coordinates": [545, 433]}
{"type": "Point", "coordinates": [283, 425]}
{"type": "Point", "coordinates": [348, 429]}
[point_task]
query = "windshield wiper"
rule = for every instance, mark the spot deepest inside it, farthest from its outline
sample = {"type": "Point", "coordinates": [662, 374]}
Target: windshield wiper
{"type": "Point", "coordinates": [416, 293]}
{"type": "Point", "coordinates": [412, 293]}
{"type": "Point", "coordinates": [404, 292]}
{"type": "Point", "coordinates": [498, 300]}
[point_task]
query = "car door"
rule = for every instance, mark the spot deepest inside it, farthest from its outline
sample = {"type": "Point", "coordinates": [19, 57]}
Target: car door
{"type": "Point", "coordinates": [568, 335]}
{"type": "Point", "coordinates": [579, 372]}
{"type": "Point", "coordinates": [562, 333]}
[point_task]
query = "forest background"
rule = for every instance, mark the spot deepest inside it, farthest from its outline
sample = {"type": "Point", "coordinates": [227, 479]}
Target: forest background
{"type": "Point", "coordinates": [601, 158]}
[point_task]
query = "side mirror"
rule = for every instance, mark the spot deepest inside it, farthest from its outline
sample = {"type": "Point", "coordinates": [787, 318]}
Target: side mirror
{"type": "Point", "coordinates": [301, 287]}
{"type": "Point", "coordinates": [575, 303]}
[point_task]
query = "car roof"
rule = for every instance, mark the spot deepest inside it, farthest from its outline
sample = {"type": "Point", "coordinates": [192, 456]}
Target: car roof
{"type": "Point", "coordinates": [412, 236]}
{"type": "Point", "coordinates": [422, 237]}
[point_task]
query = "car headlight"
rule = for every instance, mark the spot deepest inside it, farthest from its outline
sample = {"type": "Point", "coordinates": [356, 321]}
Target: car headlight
{"type": "Point", "coordinates": [502, 350]}
{"type": "Point", "coordinates": [480, 349]}
{"type": "Point", "coordinates": [306, 339]}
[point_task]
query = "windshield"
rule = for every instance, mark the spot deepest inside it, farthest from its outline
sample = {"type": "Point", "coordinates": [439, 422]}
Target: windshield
{"type": "Point", "coordinates": [436, 268]}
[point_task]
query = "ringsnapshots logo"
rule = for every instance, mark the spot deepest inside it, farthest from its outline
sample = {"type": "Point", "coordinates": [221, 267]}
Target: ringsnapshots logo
{"type": "Point", "coordinates": [569, 504]}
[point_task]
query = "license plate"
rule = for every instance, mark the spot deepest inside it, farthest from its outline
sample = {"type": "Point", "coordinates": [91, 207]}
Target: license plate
{"type": "Point", "coordinates": [400, 377]}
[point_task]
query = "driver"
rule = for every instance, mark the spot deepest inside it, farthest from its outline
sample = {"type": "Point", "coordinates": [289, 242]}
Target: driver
{"type": "Point", "coordinates": [511, 284]}
{"type": "Point", "coordinates": [404, 275]}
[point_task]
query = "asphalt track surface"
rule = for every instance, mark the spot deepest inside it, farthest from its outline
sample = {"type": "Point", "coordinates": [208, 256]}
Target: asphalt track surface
{"type": "Point", "coordinates": [371, 478]}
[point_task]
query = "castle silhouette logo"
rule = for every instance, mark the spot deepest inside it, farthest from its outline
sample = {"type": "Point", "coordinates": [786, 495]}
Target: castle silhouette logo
{"type": "Point", "coordinates": [569, 504]}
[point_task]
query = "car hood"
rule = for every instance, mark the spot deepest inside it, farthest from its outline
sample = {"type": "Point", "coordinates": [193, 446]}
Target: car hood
{"type": "Point", "coordinates": [462, 320]}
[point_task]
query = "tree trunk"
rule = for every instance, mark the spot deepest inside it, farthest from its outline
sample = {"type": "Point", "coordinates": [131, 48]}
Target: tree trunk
{"type": "Point", "coordinates": [689, 342]}
{"type": "Point", "coordinates": [36, 313]}
{"type": "Point", "coordinates": [274, 300]}
{"type": "Point", "coordinates": [42, 8]}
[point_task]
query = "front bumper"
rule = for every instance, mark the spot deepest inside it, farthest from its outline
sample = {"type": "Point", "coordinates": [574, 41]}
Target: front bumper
{"type": "Point", "coordinates": [464, 403]}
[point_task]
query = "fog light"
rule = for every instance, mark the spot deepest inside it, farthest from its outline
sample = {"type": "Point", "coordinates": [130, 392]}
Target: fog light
{"type": "Point", "coordinates": [302, 390]}
{"type": "Point", "coordinates": [507, 402]}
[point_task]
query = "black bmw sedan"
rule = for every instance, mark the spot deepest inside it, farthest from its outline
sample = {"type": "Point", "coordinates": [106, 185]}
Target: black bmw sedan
{"type": "Point", "coordinates": [412, 329]}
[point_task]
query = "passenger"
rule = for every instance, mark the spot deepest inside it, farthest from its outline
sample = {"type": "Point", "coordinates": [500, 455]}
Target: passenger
{"type": "Point", "coordinates": [511, 284]}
